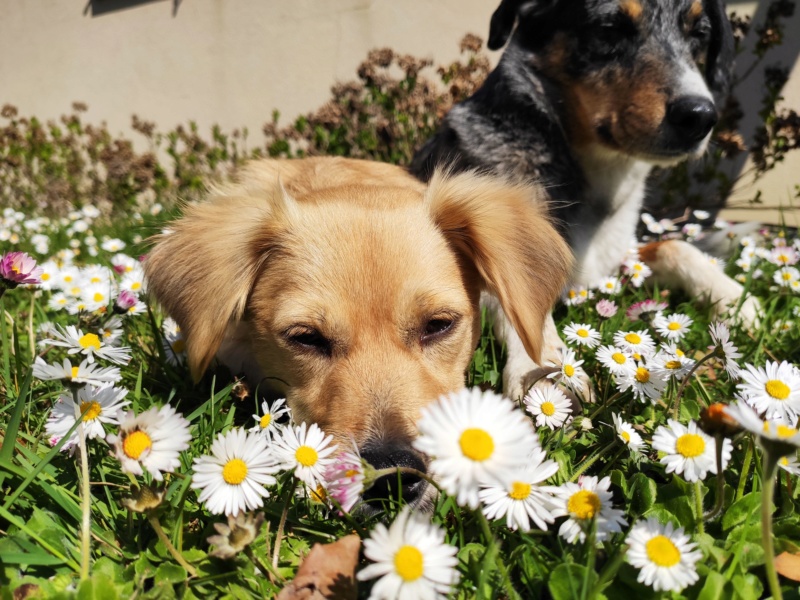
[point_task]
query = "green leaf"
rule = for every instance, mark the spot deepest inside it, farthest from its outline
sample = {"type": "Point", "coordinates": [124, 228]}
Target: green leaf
{"type": "Point", "coordinates": [713, 588]}
{"type": "Point", "coordinates": [566, 581]}
{"type": "Point", "coordinates": [747, 587]}
{"type": "Point", "coordinates": [170, 573]}
{"type": "Point", "coordinates": [99, 587]}
{"type": "Point", "coordinates": [618, 479]}
{"type": "Point", "coordinates": [143, 568]}
{"type": "Point", "coordinates": [741, 510]}
{"type": "Point", "coordinates": [642, 493]}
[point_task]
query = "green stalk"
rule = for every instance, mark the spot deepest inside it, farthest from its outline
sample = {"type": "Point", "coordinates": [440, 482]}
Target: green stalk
{"type": "Point", "coordinates": [719, 440]}
{"type": "Point", "coordinates": [768, 477]}
{"type": "Point", "coordinates": [492, 556]}
{"type": "Point", "coordinates": [156, 525]}
{"type": "Point", "coordinates": [677, 408]}
{"type": "Point", "coordinates": [86, 507]}
{"type": "Point", "coordinates": [591, 556]}
{"type": "Point", "coordinates": [698, 505]}
{"type": "Point", "coordinates": [588, 462]}
{"type": "Point", "coordinates": [748, 460]}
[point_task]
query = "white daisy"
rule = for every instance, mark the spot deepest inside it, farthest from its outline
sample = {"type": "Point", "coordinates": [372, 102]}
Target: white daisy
{"type": "Point", "coordinates": [724, 348]}
{"type": "Point", "coordinates": [111, 331]}
{"type": "Point", "coordinates": [88, 344]}
{"type": "Point", "coordinates": [638, 342]}
{"type": "Point", "coordinates": [549, 405]}
{"type": "Point", "coordinates": [267, 423]}
{"type": "Point", "coordinates": [629, 436]}
{"type": "Point", "coordinates": [305, 450]}
{"type": "Point", "coordinates": [776, 434]}
{"type": "Point", "coordinates": [783, 256]}
{"type": "Point", "coordinates": [615, 360]}
{"type": "Point", "coordinates": [474, 438]}
{"type": "Point", "coordinates": [523, 500]}
{"type": "Point", "coordinates": [576, 296]}
{"type": "Point", "coordinates": [113, 245]}
{"type": "Point", "coordinates": [786, 276]}
{"type": "Point", "coordinates": [344, 479]}
{"type": "Point", "coordinates": [790, 464]}
{"type": "Point", "coordinates": [233, 476]}
{"type": "Point", "coordinates": [570, 371]}
{"type": "Point", "coordinates": [583, 501]}
{"type": "Point", "coordinates": [174, 343]}
{"type": "Point", "coordinates": [673, 327]}
{"type": "Point", "coordinates": [152, 440]}
{"type": "Point", "coordinates": [80, 375]}
{"type": "Point", "coordinates": [582, 334]}
{"type": "Point", "coordinates": [58, 301]}
{"type": "Point", "coordinates": [645, 383]}
{"type": "Point", "coordinates": [665, 556]}
{"type": "Point", "coordinates": [714, 261]}
{"type": "Point", "coordinates": [610, 286]}
{"type": "Point", "coordinates": [670, 362]}
{"type": "Point", "coordinates": [637, 271]}
{"type": "Point", "coordinates": [411, 558]}
{"type": "Point", "coordinates": [688, 450]}
{"type": "Point", "coordinates": [773, 390]}
{"type": "Point", "coordinates": [99, 406]}
{"type": "Point", "coordinates": [133, 280]}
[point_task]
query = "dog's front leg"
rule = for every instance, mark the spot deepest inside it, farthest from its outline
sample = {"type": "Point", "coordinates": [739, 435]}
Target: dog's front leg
{"type": "Point", "coordinates": [521, 372]}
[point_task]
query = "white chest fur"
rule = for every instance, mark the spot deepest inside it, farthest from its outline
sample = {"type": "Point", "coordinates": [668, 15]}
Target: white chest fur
{"type": "Point", "coordinates": [605, 226]}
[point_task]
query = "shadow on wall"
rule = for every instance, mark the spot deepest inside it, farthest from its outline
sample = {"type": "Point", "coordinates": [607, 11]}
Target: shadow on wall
{"type": "Point", "coordinates": [98, 8]}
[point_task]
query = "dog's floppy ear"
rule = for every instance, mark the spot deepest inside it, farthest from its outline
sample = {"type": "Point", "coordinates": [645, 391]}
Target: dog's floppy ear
{"type": "Point", "coordinates": [501, 228]}
{"type": "Point", "coordinates": [505, 16]}
{"type": "Point", "coordinates": [203, 267]}
{"type": "Point", "coordinates": [721, 50]}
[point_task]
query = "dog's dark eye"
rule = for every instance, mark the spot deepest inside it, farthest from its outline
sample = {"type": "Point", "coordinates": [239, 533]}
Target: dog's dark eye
{"type": "Point", "coordinates": [701, 30]}
{"type": "Point", "coordinates": [436, 328]}
{"type": "Point", "coordinates": [309, 340]}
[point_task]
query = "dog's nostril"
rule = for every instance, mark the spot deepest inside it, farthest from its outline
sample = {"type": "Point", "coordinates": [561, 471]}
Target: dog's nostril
{"type": "Point", "coordinates": [385, 457]}
{"type": "Point", "coordinates": [692, 117]}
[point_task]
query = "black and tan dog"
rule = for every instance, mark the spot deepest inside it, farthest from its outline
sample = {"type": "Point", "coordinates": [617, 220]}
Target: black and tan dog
{"type": "Point", "coordinates": [588, 96]}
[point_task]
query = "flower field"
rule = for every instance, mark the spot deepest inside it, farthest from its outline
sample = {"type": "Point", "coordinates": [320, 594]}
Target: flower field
{"type": "Point", "coordinates": [121, 478]}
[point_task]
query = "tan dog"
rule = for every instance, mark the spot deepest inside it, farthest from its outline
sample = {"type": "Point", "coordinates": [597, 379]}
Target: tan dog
{"type": "Point", "coordinates": [353, 289]}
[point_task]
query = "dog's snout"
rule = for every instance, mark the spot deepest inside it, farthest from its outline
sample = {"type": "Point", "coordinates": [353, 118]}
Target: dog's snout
{"type": "Point", "coordinates": [692, 117]}
{"type": "Point", "coordinates": [411, 486]}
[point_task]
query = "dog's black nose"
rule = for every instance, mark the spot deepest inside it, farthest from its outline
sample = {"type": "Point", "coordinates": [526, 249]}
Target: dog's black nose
{"type": "Point", "coordinates": [411, 486]}
{"type": "Point", "coordinates": [692, 117]}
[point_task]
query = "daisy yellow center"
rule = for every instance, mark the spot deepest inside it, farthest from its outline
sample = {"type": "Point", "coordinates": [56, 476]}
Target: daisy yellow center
{"type": "Point", "coordinates": [673, 364]}
{"type": "Point", "coordinates": [637, 267]}
{"type": "Point", "coordinates": [350, 473]}
{"type": "Point", "coordinates": [548, 408]}
{"type": "Point", "coordinates": [89, 340]}
{"type": "Point", "coordinates": [265, 421]}
{"type": "Point", "coordinates": [680, 353]}
{"type": "Point", "coordinates": [784, 431]}
{"type": "Point", "coordinates": [68, 278]}
{"type": "Point", "coordinates": [674, 326]}
{"type": "Point", "coordinates": [583, 293]}
{"type": "Point", "coordinates": [572, 294]}
{"type": "Point", "coordinates": [16, 269]}
{"type": "Point", "coordinates": [136, 286]}
{"type": "Point", "coordinates": [783, 258]}
{"type": "Point", "coordinates": [582, 333]}
{"type": "Point", "coordinates": [633, 338]}
{"type": "Point", "coordinates": [519, 490]}
{"type": "Point", "coordinates": [45, 276]}
{"type": "Point", "coordinates": [319, 494]}
{"type": "Point", "coordinates": [569, 370]}
{"type": "Point", "coordinates": [619, 358]}
{"type": "Point", "coordinates": [786, 276]}
{"type": "Point", "coordinates": [784, 461]}
{"type": "Point", "coordinates": [90, 410]}
{"type": "Point", "coordinates": [662, 551]}
{"type": "Point", "coordinates": [178, 346]}
{"type": "Point", "coordinates": [584, 504]}
{"type": "Point", "coordinates": [609, 285]}
{"type": "Point", "coordinates": [642, 375]}
{"type": "Point", "coordinates": [98, 297]}
{"type": "Point", "coordinates": [74, 372]}
{"type": "Point", "coordinates": [234, 471]}
{"type": "Point", "coordinates": [626, 437]}
{"type": "Point", "coordinates": [306, 456]}
{"type": "Point", "coordinates": [136, 443]}
{"type": "Point", "coordinates": [95, 279]}
{"type": "Point", "coordinates": [777, 389]}
{"type": "Point", "coordinates": [476, 444]}
{"type": "Point", "coordinates": [690, 445]}
{"type": "Point", "coordinates": [409, 564]}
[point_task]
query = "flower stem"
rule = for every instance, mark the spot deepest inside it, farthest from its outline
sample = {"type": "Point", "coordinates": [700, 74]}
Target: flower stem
{"type": "Point", "coordinates": [719, 439]}
{"type": "Point", "coordinates": [264, 567]}
{"type": "Point", "coordinates": [86, 507]}
{"type": "Point", "coordinates": [748, 459]}
{"type": "Point", "coordinates": [768, 476]}
{"type": "Point", "coordinates": [279, 534]}
{"type": "Point", "coordinates": [698, 505]}
{"type": "Point", "coordinates": [676, 411]}
{"type": "Point", "coordinates": [588, 462]}
{"type": "Point", "coordinates": [156, 525]}
{"type": "Point", "coordinates": [591, 557]}
{"type": "Point", "coordinates": [492, 556]}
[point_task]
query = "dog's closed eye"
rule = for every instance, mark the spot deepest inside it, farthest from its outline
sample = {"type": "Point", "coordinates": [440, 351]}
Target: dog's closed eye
{"type": "Point", "coordinates": [308, 339]}
{"type": "Point", "coordinates": [436, 328]}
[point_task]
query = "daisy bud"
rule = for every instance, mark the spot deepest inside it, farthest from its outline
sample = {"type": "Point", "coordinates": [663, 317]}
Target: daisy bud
{"type": "Point", "coordinates": [124, 302]}
{"type": "Point", "coordinates": [234, 537]}
{"type": "Point", "coordinates": [145, 498]}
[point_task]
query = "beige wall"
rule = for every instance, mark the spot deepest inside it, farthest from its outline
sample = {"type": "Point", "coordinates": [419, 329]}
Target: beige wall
{"type": "Point", "coordinates": [233, 61]}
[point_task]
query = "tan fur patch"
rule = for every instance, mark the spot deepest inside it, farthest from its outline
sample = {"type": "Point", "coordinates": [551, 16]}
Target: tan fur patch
{"type": "Point", "coordinates": [632, 8]}
{"type": "Point", "coordinates": [695, 10]}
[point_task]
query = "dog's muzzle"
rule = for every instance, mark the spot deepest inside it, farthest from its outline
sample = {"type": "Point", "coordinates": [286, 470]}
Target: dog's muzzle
{"type": "Point", "coordinates": [412, 487]}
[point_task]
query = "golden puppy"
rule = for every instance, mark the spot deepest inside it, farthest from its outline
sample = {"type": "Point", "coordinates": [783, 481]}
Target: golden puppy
{"type": "Point", "coordinates": [353, 289]}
